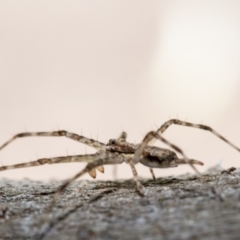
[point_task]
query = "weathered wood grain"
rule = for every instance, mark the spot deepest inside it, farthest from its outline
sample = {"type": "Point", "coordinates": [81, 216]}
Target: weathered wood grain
{"type": "Point", "coordinates": [183, 207]}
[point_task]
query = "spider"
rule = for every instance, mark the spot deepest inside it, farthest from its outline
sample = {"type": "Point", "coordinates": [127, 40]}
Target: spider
{"type": "Point", "coordinates": [117, 151]}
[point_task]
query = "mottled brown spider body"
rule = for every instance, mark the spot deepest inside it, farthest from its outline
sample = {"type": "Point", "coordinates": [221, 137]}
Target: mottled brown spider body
{"type": "Point", "coordinates": [152, 156]}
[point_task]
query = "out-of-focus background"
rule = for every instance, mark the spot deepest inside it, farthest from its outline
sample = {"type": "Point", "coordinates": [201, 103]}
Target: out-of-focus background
{"type": "Point", "coordinates": [100, 67]}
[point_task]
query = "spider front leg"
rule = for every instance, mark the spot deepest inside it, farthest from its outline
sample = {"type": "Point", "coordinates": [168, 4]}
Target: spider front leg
{"type": "Point", "coordinates": [99, 160]}
{"type": "Point", "coordinates": [57, 160]}
{"type": "Point", "coordinates": [108, 158]}
{"type": "Point", "coordinates": [61, 133]}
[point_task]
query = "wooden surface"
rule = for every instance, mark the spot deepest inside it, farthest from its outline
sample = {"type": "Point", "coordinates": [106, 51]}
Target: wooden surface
{"type": "Point", "coordinates": [183, 207]}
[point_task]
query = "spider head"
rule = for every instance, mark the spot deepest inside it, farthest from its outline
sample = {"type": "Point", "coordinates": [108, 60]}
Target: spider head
{"type": "Point", "coordinates": [120, 145]}
{"type": "Point", "coordinates": [113, 142]}
{"type": "Point", "coordinates": [115, 145]}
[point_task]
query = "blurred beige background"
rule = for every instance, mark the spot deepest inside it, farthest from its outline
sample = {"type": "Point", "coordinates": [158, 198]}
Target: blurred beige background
{"type": "Point", "coordinates": [100, 67]}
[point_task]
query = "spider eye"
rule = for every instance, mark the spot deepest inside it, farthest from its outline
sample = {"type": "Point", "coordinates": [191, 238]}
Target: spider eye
{"type": "Point", "coordinates": [113, 142]}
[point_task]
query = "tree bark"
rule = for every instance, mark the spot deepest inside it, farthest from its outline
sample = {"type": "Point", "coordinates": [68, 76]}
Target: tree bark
{"type": "Point", "coordinates": [182, 207]}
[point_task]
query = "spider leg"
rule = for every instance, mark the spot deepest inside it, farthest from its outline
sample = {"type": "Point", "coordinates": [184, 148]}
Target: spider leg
{"type": "Point", "coordinates": [111, 158]}
{"type": "Point", "coordinates": [122, 137]}
{"type": "Point", "coordinates": [152, 173]}
{"type": "Point", "coordinates": [149, 137]}
{"type": "Point", "coordinates": [193, 125]}
{"type": "Point", "coordinates": [192, 161]}
{"type": "Point", "coordinates": [61, 133]}
{"type": "Point", "coordinates": [136, 179]}
{"type": "Point", "coordinates": [90, 167]}
{"type": "Point", "coordinates": [75, 158]}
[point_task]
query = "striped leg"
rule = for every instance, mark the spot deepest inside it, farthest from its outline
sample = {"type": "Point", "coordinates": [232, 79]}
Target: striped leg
{"type": "Point", "coordinates": [75, 158]}
{"type": "Point", "coordinates": [152, 173]}
{"type": "Point", "coordinates": [114, 159]}
{"type": "Point", "coordinates": [136, 179]}
{"type": "Point", "coordinates": [61, 133]}
{"type": "Point", "coordinates": [122, 137]}
{"type": "Point", "coordinates": [193, 125]}
{"type": "Point", "coordinates": [110, 158]}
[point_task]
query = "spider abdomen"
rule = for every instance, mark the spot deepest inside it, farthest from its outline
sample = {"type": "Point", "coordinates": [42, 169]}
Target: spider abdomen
{"type": "Point", "coordinates": [159, 158]}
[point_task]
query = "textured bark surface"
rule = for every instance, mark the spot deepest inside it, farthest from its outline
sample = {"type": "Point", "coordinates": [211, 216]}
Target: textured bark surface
{"type": "Point", "coordinates": [183, 207]}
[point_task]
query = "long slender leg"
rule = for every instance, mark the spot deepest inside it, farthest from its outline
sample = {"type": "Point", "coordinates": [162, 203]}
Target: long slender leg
{"type": "Point", "coordinates": [122, 137]}
{"type": "Point", "coordinates": [75, 158]}
{"type": "Point", "coordinates": [88, 168]}
{"type": "Point", "coordinates": [61, 133]}
{"type": "Point", "coordinates": [152, 173]}
{"type": "Point", "coordinates": [113, 158]}
{"type": "Point", "coordinates": [136, 179]}
{"type": "Point", "coordinates": [193, 125]}
{"type": "Point", "coordinates": [152, 135]}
